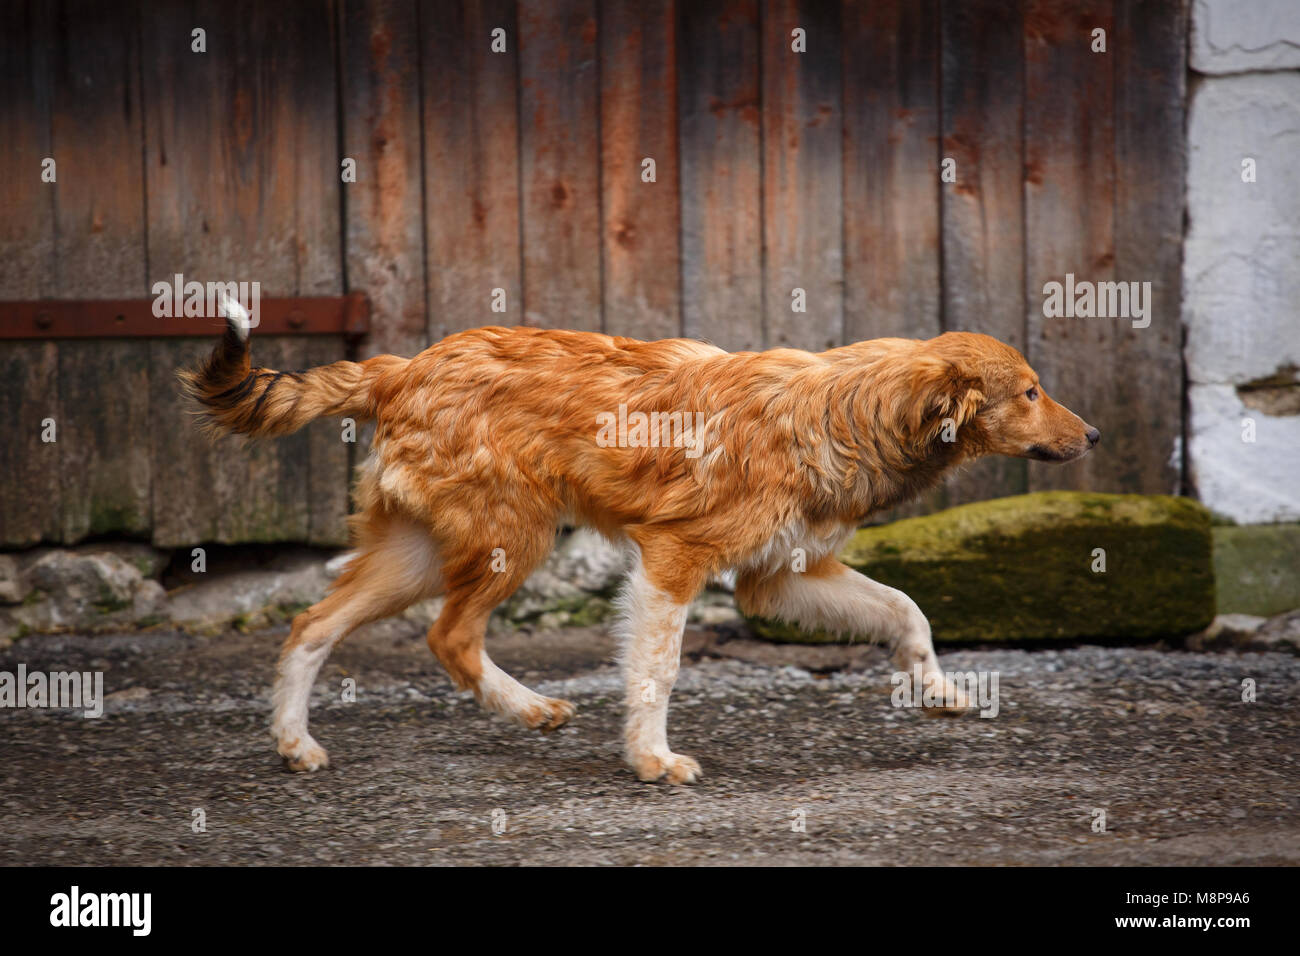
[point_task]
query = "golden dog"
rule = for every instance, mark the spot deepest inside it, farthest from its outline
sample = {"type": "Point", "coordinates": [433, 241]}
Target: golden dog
{"type": "Point", "coordinates": [696, 459]}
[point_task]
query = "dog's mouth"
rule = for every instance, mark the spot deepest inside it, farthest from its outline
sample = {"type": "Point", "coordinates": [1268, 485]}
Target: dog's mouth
{"type": "Point", "coordinates": [1043, 453]}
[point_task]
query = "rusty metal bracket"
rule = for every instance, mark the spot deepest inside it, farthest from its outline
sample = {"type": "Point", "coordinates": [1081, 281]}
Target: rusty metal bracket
{"type": "Point", "coordinates": [347, 315]}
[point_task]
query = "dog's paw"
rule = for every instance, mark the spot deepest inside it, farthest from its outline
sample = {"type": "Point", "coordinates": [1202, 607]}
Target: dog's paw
{"type": "Point", "coordinates": [955, 703]}
{"type": "Point", "coordinates": [940, 710]}
{"type": "Point", "coordinates": [669, 767]}
{"type": "Point", "coordinates": [304, 755]}
{"type": "Point", "coordinates": [548, 715]}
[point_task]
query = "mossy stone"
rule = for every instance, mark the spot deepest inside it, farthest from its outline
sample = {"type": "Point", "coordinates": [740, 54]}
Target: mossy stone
{"type": "Point", "coordinates": [1257, 569]}
{"type": "Point", "coordinates": [1022, 568]}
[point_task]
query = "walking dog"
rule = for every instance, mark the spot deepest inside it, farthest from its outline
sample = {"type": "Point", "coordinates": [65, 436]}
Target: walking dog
{"type": "Point", "coordinates": [490, 440]}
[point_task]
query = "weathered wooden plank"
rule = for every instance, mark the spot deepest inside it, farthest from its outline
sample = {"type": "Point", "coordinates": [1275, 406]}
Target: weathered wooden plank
{"type": "Point", "coordinates": [560, 163]}
{"type": "Point", "coordinates": [30, 505]}
{"type": "Point", "coordinates": [891, 179]}
{"type": "Point", "coordinates": [313, 468]}
{"type": "Point", "coordinates": [329, 459]}
{"type": "Point", "coordinates": [380, 83]}
{"type": "Point", "coordinates": [891, 169]}
{"type": "Point", "coordinates": [1070, 222]}
{"type": "Point", "coordinates": [471, 166]}
{"type": "Point", "coordinates": [719, 49]}
{"type": "Point", "coordinates": [983, 210]}
{"type": "Point", "coordinates": [242, 179]}
{"type": "Point", "coordinates": [100, 253]}
{"type": "Point", "coordinates": [1147, 373]}
{"type": "Point", "coordinates": [638, 120]}
{"type": "Point", "coordinates": [803, 175]}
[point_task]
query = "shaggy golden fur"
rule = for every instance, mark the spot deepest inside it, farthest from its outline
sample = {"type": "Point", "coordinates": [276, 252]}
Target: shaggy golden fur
{"type": "Point", "coordinates": [488, 441]}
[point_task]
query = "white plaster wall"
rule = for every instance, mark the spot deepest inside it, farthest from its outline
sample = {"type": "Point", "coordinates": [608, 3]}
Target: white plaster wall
{"type": "Point", "coordinates": [1232, 36]}
{"type": "Point", "coordinates": [1241, 263]}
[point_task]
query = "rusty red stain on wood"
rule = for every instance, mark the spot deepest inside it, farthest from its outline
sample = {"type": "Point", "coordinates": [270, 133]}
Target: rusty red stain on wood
{"type": "Point", "coordinates": [242, 120]}
{"type": "Point", "coordinates": [134, 318]}
{"type": "Point", "coordinates": [625, 235]}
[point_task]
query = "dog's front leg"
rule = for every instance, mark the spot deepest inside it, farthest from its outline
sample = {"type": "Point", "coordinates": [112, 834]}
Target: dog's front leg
{"type": "Point", "coordinates": [653, 618]}
{"type": "Point", "coordinates": [833, 596]}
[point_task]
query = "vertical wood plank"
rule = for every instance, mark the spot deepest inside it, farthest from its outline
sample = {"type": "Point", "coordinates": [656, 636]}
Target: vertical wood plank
{"type": "Point", "coordinates": [891, 179]}
{"type": "Point", "coordinates": [471, 146]}
{"type": "Point", "coordinates": [242, 179]}
{"type": "Point", "coordinates": [719, 49]}
{"type": "Point", "coordinates": [802, 175]}
{"type": "Point", "coordinates": [983, 210]}
{"type": "Point", "coordinates": [891, 169]}
{"type": "Point", "coordinates": [384, 208]}
{"type": "Point", "coordinates": [30, 507]}
{"type": "Point", "coordinates": [1151, 167]}
{"type": "Point", "coordinates": [638, 119]}
{"type": "Point", "coordinates": [100, 249]}
{"type": "Point", "coordinates": [1070, 222]}
{"type": "Point", "coordinates": [560, 163]}
{"type": "Point", "coordinates": [329, 459]}
{"type": "Point", "coordinates": [384, 251]}
{"type": "Point", "coordinates": [318, 465]}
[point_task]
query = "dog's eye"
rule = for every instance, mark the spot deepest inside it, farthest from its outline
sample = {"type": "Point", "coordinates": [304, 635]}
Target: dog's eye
{"type": "Point", "coordinates": [1032, 394]}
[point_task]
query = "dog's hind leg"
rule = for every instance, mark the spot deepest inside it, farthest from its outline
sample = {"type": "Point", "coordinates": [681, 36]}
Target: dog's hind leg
{"type": "Point", "coordinates": [457, 640]}
{"type": "Point", "coordinates": [396, 566]}
{"type": "Point", "coordinates": [833, 596]}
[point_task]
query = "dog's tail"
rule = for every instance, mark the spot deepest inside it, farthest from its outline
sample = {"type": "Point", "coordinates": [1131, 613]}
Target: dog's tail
{"type": "Point", "coordinates": [234, 397]}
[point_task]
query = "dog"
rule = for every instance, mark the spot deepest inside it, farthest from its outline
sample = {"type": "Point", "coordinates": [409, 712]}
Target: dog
{"type": "Point", "coordinates": [695, 459]}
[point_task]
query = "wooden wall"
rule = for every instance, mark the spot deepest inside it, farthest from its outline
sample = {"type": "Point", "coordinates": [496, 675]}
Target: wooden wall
{"type": "Point", "coordinates": [217, 165]}
{"type": "Point", "coordinates": [521, 171]}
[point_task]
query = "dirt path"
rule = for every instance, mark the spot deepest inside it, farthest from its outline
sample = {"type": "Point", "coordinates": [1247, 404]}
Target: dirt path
{"type": "Point", "coordinates": [1186, 772]}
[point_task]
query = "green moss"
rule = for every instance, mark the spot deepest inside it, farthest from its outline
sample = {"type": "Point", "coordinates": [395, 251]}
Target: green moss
{"type": "Point", "coordinates": [1257, 568]}
{"type": "Point", "coordinates": [109, 519]}
{"type": "Point", "coordinates": [1021, 568]}
{"type": "Point", "coordinates": [109, 602]}
{"type": "Point", "coordinates": [576, 611]}
{"type": "Point", "coordinates": [592, 611]}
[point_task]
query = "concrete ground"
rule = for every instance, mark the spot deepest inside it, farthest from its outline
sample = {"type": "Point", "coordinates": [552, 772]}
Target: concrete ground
{"type": "Point", "coordinates": [1160, 740]}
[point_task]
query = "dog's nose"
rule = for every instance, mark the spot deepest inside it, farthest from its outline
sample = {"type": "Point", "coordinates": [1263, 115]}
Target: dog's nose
{"type": "Point", "coordinates": [1094, 436]}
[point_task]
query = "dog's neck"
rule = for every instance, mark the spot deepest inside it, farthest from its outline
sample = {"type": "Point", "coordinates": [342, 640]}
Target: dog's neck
{"type": "Point", "coordinates": [871, 466]}
{"type": "Point", "coordinates": [905, 477]}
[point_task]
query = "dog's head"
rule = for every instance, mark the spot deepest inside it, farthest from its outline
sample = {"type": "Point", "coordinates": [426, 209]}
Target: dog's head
{"type": "Point", "coordinates": [982, 393]}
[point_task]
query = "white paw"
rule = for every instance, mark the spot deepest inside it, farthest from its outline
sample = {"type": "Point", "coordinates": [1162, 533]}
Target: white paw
{"type": "Point", "coordinates": [954, 703]}
{"type": "Point", "coordinates": [547, 714]}
{"type": "Point", "coordinates": [667, 766]}
{"type": "Point", "coordinates": [303, 754]}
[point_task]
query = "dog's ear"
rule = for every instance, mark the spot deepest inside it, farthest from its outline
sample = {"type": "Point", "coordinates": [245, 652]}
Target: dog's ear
{"type": "Point", "coordinates": [941, 395]}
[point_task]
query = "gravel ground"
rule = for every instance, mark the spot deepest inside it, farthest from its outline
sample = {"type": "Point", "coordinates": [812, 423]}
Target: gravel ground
{"type": "Point", "coordinates": [1161, 740]}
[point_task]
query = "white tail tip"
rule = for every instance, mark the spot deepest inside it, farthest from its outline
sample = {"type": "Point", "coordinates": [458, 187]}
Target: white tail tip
{"type": "Point", "coordinates": [237, 317]}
